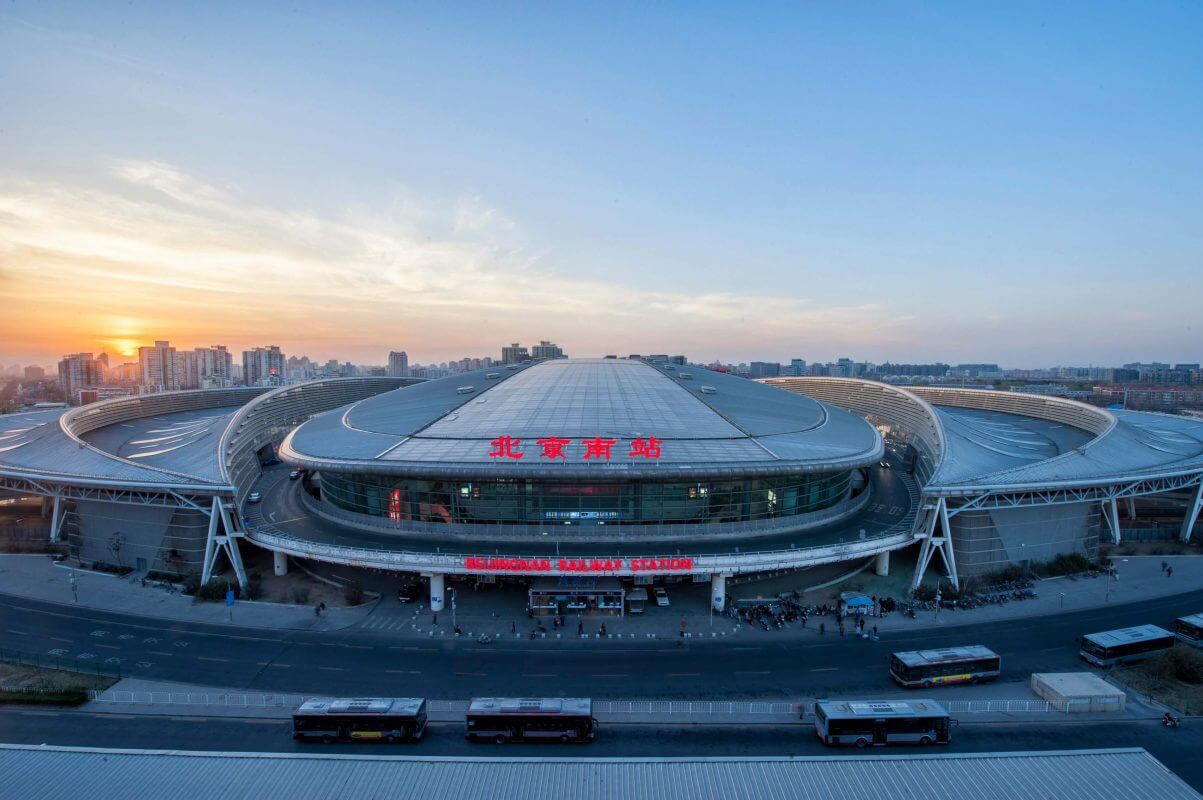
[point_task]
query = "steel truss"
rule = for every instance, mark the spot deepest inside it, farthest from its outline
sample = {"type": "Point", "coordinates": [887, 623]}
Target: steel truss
{"type": "Point", "coordinates": [933, 530]}
{"type": "Point", "coordinates": [223, 533]}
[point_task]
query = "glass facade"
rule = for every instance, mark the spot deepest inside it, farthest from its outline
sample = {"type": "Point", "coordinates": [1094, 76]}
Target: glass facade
{"type": "Point", "coordinates": [527, 502]}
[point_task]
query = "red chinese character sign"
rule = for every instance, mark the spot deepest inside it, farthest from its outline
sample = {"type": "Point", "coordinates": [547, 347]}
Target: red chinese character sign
{"type": "Point", "coordinates": [594, 448]}
{"type": "Point", "coordinates": [553, 447]}
{"type": "Point", "coordinates": [506, 447]}
{"type": "Point", "coordinates": [645, 448]}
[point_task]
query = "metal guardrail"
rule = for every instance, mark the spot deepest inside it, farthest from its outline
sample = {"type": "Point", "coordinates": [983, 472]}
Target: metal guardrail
{"type": "Point", "coordinates": [251, 701]}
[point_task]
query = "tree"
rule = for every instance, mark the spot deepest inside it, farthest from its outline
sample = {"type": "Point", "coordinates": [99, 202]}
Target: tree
{"type": "Point", "coordinates": [116, 542]}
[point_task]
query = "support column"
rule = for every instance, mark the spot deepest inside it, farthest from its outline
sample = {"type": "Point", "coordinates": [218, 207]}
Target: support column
{"type": "Point", "coordinates": [280, 563]}
{"type": "Point", "coordinates": [1192, 513]}
{"type": "Point", "coordinates": [436, 591]}
{"type": "Point", "coordinates": [718, 591]}
{"type": "Point", "coordinates": [881, 565]}
{"type": "Point", "coordinates": [1111, 512]}
{"type": "Point", "coordinates": [1131, 508]}
{"type": "Point", "coordinates": [56, 518]}
{"type": "Point", "coordinates": [938, 536]}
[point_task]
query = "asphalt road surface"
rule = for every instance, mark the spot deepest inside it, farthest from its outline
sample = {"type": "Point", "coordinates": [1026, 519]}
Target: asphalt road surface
{"type": "Point", "coordinates": [357, 661]}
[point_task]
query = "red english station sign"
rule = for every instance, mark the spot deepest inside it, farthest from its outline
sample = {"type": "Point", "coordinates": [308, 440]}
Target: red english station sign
{"type": "Point", "coordinates": [578, 566]}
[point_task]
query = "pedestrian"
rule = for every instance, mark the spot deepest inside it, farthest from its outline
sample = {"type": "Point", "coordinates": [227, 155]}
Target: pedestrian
{"type": "Point", "coordinates": [1163, 566]}
{"type": "Point", "coordinates": [841, 628]}
{"type": "Point", "coordinates": [434, 618]}
{"type": "Point", "coordinates": [861, 624]}
{"type": "Point", "coordinates": [603, 629]}
{"type": "Point", "coordinates": [822, 628]}
{"type": "Point", "coordinates": [683, 624]}
{"type": "Point", "coordinates": [874, 633]}
{"type": "Point", "coordinates": [317, 611]}
{"type": "Point", "coordinates": [513, 627]}
{"type": "Point", "coordinates": [1169, 571]}
{"type": "Point", "coordinates": [580, 628]}
{"type": "Point", "coordinates": [323, 607]}
{"type": "Point", "coordinates": [803, 620]}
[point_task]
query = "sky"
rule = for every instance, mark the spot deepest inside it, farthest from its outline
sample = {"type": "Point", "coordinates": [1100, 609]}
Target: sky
{"type": "Point", "coordinates": [1019, 183]}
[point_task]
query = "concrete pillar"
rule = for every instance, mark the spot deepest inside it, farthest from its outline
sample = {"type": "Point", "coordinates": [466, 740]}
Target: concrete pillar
{"type": "Point", "coordinates": [718, 591]}
{"type": "Point", "coordinates": [280, 563]}
{"type": "Point", "coordinates": [1131, 508]}
{"type": "Point", "coordinates": [881, 564]}
{"type": "Point", "coordinates": [436, 591]}
{"type": "Point", "coordinates": [47, 504]}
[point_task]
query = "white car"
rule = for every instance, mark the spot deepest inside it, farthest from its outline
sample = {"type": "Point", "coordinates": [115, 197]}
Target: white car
{"type": "Point", "coordinates": [254, 497]}
{"type": "Point", "coordinates": [661, 596]}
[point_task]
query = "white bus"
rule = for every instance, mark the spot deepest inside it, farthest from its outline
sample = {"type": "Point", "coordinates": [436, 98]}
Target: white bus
{"type": "Point", "coordinates": [1189, 629]}
{"type": "Point", "coordinates": [1124, 645]}
{"type": "Point", "coordinates": [860, 724]}
{"type": "Point", "coordinates": [947, 665]}
{"type": "Point", "coordinates": [360, 719]}
{"type": "Point", "coordinates": [526, 719]}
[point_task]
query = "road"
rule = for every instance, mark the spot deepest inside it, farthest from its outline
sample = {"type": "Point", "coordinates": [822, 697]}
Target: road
{"type": "Point", "coordinates": [358, 661]}
{"type": "Point", "coordinates": [1177, 749]}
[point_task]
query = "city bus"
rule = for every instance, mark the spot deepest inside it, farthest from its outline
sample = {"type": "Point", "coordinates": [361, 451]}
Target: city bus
{"type": "Point", "coordinates": [927, 668]}
{"type": "Point", "coordinates": [1125, 645]}
{"type": "Point", "coordinates": [360, 719]}
{"type": "Point", "coordinates": [1189, 629]}
{"type": "Point", "coordinates": [860, 724]}
{"type": "Point", "coordinates": [531, 719]}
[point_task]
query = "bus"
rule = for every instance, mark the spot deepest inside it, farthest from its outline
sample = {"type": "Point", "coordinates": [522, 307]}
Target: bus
{"type": "Point", "coordinates": [1125, 645]}
{"type": "Point", "coordinates": [360, 719]}
{"type": "Point", "coordinates": [927, 668]}
{"type": "Point", "coordinates": [506, 719]}
{"type": "Point", "coordinates": [870, 722]}
{"type": "Point", "coordinates": [1190, 629]}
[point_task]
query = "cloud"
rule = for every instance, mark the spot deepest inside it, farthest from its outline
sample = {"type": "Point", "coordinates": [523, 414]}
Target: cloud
{"type": "Point", "coordinates": [158, 243]}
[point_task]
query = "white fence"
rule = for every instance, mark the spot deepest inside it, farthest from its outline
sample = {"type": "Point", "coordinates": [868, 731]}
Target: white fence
{"type": "Point", "coordinates": [656, 708]}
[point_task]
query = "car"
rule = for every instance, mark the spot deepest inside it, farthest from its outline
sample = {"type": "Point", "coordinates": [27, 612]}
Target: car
{"type": "Point", "coordinates": [884, 465]}
{"type": "Point", "coordinates": [270, 462]}
{"type": "Point", "coordinates": [254, 497]}
{"type": "Point", "coordinates": [661, 596]}
{"type": "Point", "coordinates": [409, 593]}
{"type": "Point", "coordinates": [296, 473]}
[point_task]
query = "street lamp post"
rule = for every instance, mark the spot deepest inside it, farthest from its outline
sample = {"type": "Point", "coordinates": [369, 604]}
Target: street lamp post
{"type": "Point", "coordinates": [453, 625]}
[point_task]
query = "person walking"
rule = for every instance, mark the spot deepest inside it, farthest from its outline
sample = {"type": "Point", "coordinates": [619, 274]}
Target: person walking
{"type": "Point", "coordinates": [1163, 566]}
{"type": "Point", "coordinates": [1169, 571]}
{"type": "Point", "coordinates": [580, 627]}
{"type": "Point", "coordinates": [822, 628]}
{"type": "Point", "coordinates": [875, 633]}
{"type": "Point", "coordinates": [513, 627]}
{"type": "Point", "coordinates": [603, 629]}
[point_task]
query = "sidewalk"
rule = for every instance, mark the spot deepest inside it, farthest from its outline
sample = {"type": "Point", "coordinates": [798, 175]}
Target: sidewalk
{"type": "Point", "coordinates": [36, 577]}
{"type": "Point", "coordinates": [988, 703]}
{"type": "Point", "coordinates": [500, 612]}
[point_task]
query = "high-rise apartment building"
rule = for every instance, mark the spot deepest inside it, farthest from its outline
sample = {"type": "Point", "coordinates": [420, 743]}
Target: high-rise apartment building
{"type": "Point", "coordinates": [547, 350]}
{"type": "Point", "coordinates": [263, 366]}
{"type": "Point", "coordinates": [157, 367]}
{"type": "Point", "coordinates": [33, 373]}
{"type": "Point", "coordinates": [764, 369]}
{"type": "Point", "coordinates": [79, 371]}
{"type": "Point", "coordinates": [514, 354]}
{"type": "Point", "coordinates": [214, 366]}
{"type": "Point", "coordinates": [398, 364]}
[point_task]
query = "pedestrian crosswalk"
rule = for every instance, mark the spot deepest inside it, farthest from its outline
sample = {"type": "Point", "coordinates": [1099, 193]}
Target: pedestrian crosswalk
{"type": "Point", "coordinates": [386, 622]}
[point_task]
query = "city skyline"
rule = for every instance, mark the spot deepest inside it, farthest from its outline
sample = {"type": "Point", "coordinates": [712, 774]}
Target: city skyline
{"type": "Point", "coordinates": [396, 179]}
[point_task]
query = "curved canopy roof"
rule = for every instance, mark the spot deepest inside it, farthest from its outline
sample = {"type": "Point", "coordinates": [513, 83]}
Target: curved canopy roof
{"type": "Point", "coordinates": [705, 423]}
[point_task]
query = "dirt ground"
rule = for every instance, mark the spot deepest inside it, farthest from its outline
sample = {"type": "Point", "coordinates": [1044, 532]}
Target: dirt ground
{"type": "Point", "coordinates": [20, 676]}
{"type": "Point", "coordinates": [296, 587]}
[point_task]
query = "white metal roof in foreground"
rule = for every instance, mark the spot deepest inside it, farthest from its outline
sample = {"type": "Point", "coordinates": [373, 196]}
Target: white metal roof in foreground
{"type": "Point", "coordinates": [1128, 774]}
